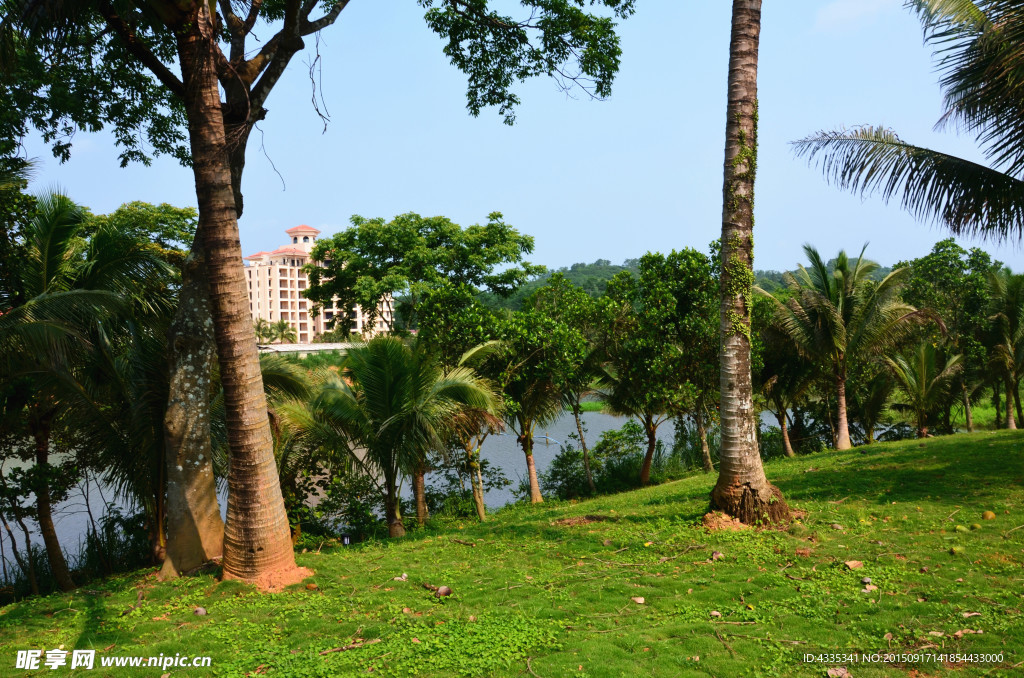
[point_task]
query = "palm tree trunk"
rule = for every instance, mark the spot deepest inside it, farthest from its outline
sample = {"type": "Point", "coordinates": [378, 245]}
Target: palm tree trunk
{"type": "Point", "coordinates": [742, 489]}
{"type": "Point", "coordinates": [419, 490]}
{"type": "Point", "coordinates": [1011, 423]}
{"type": "Point", "coordinates": [652, 442]}
{"type": "Point", "coordinates": [702, 433]}
{"type": "Point", "coordinates": [44, 511]}
{"type": "Point", "coordinates": [995, 403]}
{"type": "Point", "coordinates": [1016, 400]}
{"type": "Point", "coordinates": [195, 530]}
{"type": "Point", "coordinates": [526, 440]}
{"type": "Point", "coordinates": [257, 538]}
{"type": "Point", "coordinates": [392, 516]}
{"type": "Point", "coordinates": [786, 446]}
{"type": "Point", "coordinates": [842, 423]}
{"type": "Point", "coordinates": [583, 447]}
{"type": "Point", "coordinates": [968, 416]}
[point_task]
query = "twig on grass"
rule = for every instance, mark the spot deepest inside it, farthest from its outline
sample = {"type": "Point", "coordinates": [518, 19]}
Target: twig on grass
{"type": "Point", "coordinates": [950, 516]}
{"type": "Point", "coordinates": [353, 646]}
{"type": "Point", "coordinates": [530, 668]}
{"type": "Point", "coordinates": [727, 646]}
{"type": "Point", "coordinates": [459, 541]}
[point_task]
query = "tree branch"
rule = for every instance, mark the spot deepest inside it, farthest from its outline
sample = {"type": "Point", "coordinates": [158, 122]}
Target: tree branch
{"type": "Point", "coordinates": [326, 20]}
{"type": "Point", "coordinates": [136, 46]}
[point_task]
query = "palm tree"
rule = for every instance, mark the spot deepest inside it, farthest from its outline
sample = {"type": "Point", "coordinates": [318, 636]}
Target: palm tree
{"type": "Point", "coordinates": [68, 287]}
{"type": "Point", "coordinates": [742, 489]}
{"type": "Point", "coordinates": [1007, 350]}
{"type": "Point", "coordinates": [786, 379]}
{"type": "Point", "coordinates": [924, 381]}
{"type": "Point", "coordinates": [283, 332]}
{"type": "Point", "coordinates": [263, 330]}
{"type": "Point", "coordinates": [395, 405]}
{"type": "Point", "coordinates": [834, 316]}
{"type": "Point", "coordinates": [979, 45]}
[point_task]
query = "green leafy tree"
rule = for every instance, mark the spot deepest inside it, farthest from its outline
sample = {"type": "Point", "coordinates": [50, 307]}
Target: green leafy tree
{"type": "Point", "coordinates": [923, 381]}
{"type": "Point", "coordinates": [953, 282]}
{"type": "Point", "coordinates": [456, 328]}
{"type": "Point", "coordinates": [654, 326]}
{"type": "Point", "coordinates": [536, 350]}
{"type": "Point", "coordinates": [408, 256]}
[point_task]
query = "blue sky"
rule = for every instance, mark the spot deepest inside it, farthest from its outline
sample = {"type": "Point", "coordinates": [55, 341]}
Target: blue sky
{"type": "Point", "coordinates": [639, 172]}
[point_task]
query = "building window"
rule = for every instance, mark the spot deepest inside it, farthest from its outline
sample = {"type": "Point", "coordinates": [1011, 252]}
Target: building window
{"type": "Point", "coordinates": [305, 238]}
{"type": "Point", "coordinates": [295, 239]}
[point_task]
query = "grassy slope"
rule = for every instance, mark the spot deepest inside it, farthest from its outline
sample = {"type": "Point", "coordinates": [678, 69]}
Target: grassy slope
{"type": "Point", "coordinates": [559, 596]}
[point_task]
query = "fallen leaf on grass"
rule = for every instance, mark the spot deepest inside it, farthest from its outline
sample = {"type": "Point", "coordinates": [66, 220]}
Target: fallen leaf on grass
{"type": "Point", "coordinates": [716, 613]}
{"type": "Point", "coordinates": [639, 600]}
{"type": "Point", "coordinates": [838, 672]}
{"type": "Point", "coordinates": [869, 588]}
{"type": "Point", "coordinates": [804, 553]}
{"type": "Point", "coordinates": [937, 634]}
{"type": "Point", "coordinates": [854, 564]}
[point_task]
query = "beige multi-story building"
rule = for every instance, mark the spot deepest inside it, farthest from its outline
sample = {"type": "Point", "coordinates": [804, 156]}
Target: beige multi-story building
{"type": "Point", "coordinates": [276, 281]}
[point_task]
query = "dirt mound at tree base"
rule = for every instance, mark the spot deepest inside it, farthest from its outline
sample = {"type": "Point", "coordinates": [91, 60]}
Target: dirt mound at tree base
{"type": "Point", "coordinates": [716, 520]}
{"type": "Point", "coordinates": [277, 580]}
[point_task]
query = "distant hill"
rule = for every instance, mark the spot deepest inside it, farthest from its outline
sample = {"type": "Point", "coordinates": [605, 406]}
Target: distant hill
{"type": "Point", "coordinates": [593, 278]}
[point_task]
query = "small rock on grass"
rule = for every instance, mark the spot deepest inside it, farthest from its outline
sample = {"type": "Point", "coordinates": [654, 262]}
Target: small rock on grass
{"type": "Point", "coordinates": [442, 591]}
{"type": "Point", "coordinates": [716, 614]}
{"type": "Point", "coordinates": [199, 611]}
{"type": "Point", "coordinates": [639, 600]}
{"type": "Point", "coordinates": [837, 526]}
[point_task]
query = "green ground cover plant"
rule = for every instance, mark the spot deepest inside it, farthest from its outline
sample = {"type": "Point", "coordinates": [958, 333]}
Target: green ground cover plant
{"type": "Point", "coordinates": [622, 585]}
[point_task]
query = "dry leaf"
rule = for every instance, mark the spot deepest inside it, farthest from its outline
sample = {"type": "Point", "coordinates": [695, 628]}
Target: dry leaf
{"type": "Point", "coordinates": [869, 588]}
{"type": "Point", "coordinates": [639, 600]}
{"type": "Point", "coordinates": [937, 634]}
{"type": "Point", "coordinates": [716, 613]}
{"type": "Point", "coordinates": [972, 614]}
{"type": "Point", "coordinates": [838, 672]}
{"type": "Point", "coordinates": [854, 564]}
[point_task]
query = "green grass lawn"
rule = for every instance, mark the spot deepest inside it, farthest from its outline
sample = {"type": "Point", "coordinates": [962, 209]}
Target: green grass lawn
{"type": "Point", "coordinates": [536, 596]}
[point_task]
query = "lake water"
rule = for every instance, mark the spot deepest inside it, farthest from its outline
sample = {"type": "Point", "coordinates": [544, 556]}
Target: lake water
{"type": "Point", "coordinates": [71, 517]}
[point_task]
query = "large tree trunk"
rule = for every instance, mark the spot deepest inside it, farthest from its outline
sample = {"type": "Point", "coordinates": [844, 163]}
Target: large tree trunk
{"type": "Point", "coordinates": [702, 433]}
{"type": "Point", "coordinates": [583, 448]}
{"type": "Point", "coordinates": [195, 530]}
{"type": "Point", "coordinates": [842, 422]}
{"type": "Point", "coordinates": [968, 415]}
{"type": "Point", "coordinates": [419, 490]}
{"type": "Point", "coordinates": [783, 426]}
{"type": "Point", "coordinates": [652, 443]}
{"type": "Point", "coordinates": [526, 440]}
{"type": "Point", "coordinates": [1011, 423]}
{"type": "Point", "coordinates": [742, 489]}
{"type": "Point", "coordinates": [257, 540]}
{"type": "Point", "coordinates": [44, 511]}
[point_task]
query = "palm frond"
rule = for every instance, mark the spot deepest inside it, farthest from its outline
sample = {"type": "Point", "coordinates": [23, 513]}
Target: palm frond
{"type": "Point", "coordinates": [965, 197]}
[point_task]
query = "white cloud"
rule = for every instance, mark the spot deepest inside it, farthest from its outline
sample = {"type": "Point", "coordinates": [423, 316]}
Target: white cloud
{"type": "Point", "coordinates": [840, 14]}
